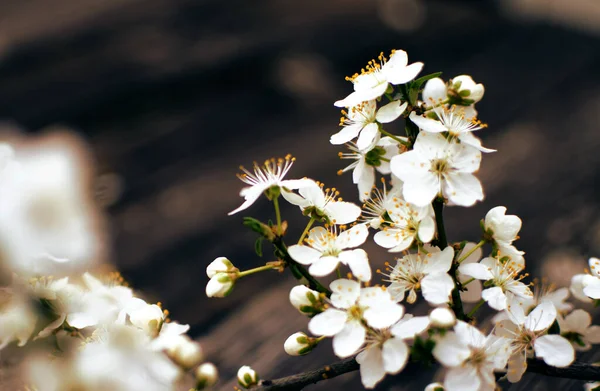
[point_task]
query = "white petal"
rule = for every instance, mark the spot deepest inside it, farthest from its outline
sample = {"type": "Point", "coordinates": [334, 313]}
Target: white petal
{"type": "Point", "coordinates": [592, 334]}
{"type": "Point", "coordinates": [594, 266]}
{"type": "Point", "coordinates": [591, 286]}
{"type": "Point", "coordinates": [367, 136]}
{"type": "Point", "coordinates": [554, 350]}
{"type": "Point", "coordinates": [422, 191]}
{"type": "Point", "coordinates": [383, 316]}
{"type": "Point", "coordinates": [344, 292]}
{"type": "Point", "coordinates": [395, 355]}
{"type": "Point", "coordinates": [329, 323]}
{"type": "Point", "coordinates": [295, 199]}
{"type": "Point", "coordinates": [365, 182]}
{"type": "Point", "coordinates": [462, 379]}
{"type": "Point", "coordinates": [437, 287]}
{"type": "Point", "coordinates": [578, 321]}
{"type": "Point", "coordinates": [495, 298]}
{"type": "Point", "coordinates": [353, 237]}
{"type": "Point", "coordinates": [427, 124]}
{"type": "Point", "coordinates": [346, 134]}
{"type": "Point", "coordinates": [517, 365]}
{"type": "Point", "coordinates": [408, 167]}
{"type": "Point", "coordinates": [469, 335]}
{"type": "Point", "coordinates": [463, 189]}
{"type": "Point", "coordinates": [371, 366]}
{"type": "Point", "coordinates": [542, 317]}
{"type": "Point", "coordinates": [406, 329]}
{"type": "Point", "coordinates": [293, 184]}
{"type": "Point", "coordinates": [403, 75]}
{"type": "Point", "coordinates": [470, 140]}
{"type": "Point", "coordinates": [577, 286]}
{"type": "Point", "coordinates": [390, 238]}
{"type": "Point", "coordinates": [434, 91]}
{"type": "Point", "coordinates": [349, 340]}
{"type": "Point", "coordinates": [323, 266]}
{"type": "Point", "coordinates": [250, 195]}
{"type": "Point", "coordinates": [342, 212]}
{"type": "Point", "coordinates": [436, 262]}
{"type": "Point", "coordinates": [303, 254]}
{"type": "Point", "coordinates": [427, 229]}
{"type": "Point", "coordinates": [391, 111]}
{"type": "Point", "coordinates": [450, 351]}
{"type": "Point", "coordinates": [358, 262]}
{"type": "Point", "coordinates": [313, 193]}
{"type": "Point", "coordinates": [476, 270]}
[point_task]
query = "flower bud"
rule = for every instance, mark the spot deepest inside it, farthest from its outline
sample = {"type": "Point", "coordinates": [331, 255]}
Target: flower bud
{"type": "Point", "coordinates": [467, 88]}
{"type": "Point", "coordinates": [247, 377]}
{"type": "Point", "coordinates": [206, 375]}
{"type": "Point", "coordinates": [185, 352]}
{"type": "Point", "coordinates": [299, 344]}
{"type": "Point", "coordinates": [435, 387]}
{"type": "Point", "coordinates": [220, 264]}
{"type": "Point", "coordinates": [442, 318]}
{"type": "Point", "coordinates": [220, 285]}
{"type": "Point", "coordinates": [307, 301]}
{"type": "Point", "coordinates": [148, 317]}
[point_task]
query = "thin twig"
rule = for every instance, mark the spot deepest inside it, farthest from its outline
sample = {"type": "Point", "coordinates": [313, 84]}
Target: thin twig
{"type": "Point", "coordinates": [576, 371]}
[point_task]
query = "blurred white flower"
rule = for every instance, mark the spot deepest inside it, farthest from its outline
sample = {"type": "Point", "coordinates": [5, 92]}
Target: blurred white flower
{"type": "Point", "coordinates": [247, 377]}
{"type": "Point", "coordinates": [17, 318]}
{"type": "Point", "coordinates": [442, 317]}
{"type": "Point", "coordinates": [206, 375]}
{"type": "Point", "coordinates": [577, 328]}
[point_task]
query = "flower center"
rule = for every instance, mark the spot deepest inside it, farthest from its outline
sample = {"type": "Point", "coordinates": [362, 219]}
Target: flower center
{"type": "Point", "coordinates": [440, 166]}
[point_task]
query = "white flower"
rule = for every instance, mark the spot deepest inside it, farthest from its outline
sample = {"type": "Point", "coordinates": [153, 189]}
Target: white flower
{"type": "Point", "coordinates": [247, 376]}
{"type": "Point", "coordinates": [220, 285]}
{"type": "Point", "coordinates": [305, 300]}
{"type": "Point", "coordinates": [462, 91]}
{"type": "Point", "coordinates": [366, 162]}
{"type": "Point", "coordinates": [374, 81]}
{"type": "Point", "coordinates": [427, 272]}
{"type": "Point", "coordinates": [17, 318]}
{"type": "Point", "coordinates": [472, 358]}
{"type": "Point", "coordinates": [269, 175]}
{"type": "Point", "coordinates": [501, 228]}
{"type": "Point", "coordinates": [353, 306]}
{"type": "Point", "coordinates": [437, 167]}
{"type": "Point", "coordinates": [577, 328]}
{"type": "Point", "coordinates": [206, 375]}
{"type": "Point", "coordinates": [376, 206]}
{"type": "Point", "coordinates": [327, 249]}
{"type": "Point", "coordinates": [472, 294]}
{"type": "Point", "coordinates": [48, 221]}
{"type": "Point", "coordinates": [361, 120]}
{"type": "Point", "coordinates": [147, 317]}
{"type": "Point", "coordinates": [455, 122]}
{"type": "Point", "coordinates": [587, 285]}
{"type": "Point", "coordinates": [442, 317]}
{"type": "Point", "coordinates": [503, 277]}
{"type": "Point", "coordinates": [322, 205]}
{"type": "Point", "coordinates": [298, 344]}
{"type": "Point", "coordinates": [179, 347]}
{"type": "Point", "coordinates": [101, 304]}
{"type": "Point", "coordinates": [409, 223]}
{"type": "Point", "coordinates": [528, 334]}
{"type": "Point", "coordinates": [387, 351]}
{"type": "Point", "coordinates": [541, 293]}
{"type": "Point", "coordinates": [220, 264]}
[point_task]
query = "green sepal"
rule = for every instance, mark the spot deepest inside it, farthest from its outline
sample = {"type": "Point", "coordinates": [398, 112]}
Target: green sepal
{"type": "Point", "coordinates": [258, 247]}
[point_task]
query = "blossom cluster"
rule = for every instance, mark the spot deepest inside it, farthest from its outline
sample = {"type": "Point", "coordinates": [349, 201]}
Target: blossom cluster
{"type": "Point", "coordinates": [432, 165]}
{"type": "Point", "coordinates": [79, 329]}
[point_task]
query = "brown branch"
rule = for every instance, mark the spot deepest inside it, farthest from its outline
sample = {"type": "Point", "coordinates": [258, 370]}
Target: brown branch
{"type": "Point", "coordinates": [576, 371]}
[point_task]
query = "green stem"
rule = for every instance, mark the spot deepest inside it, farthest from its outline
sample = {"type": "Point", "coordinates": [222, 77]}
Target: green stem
{"type": "Point", "coordinates": [310, 223]}
{"type": "Point", "coordinates": [428, 108]}
{"type": "Point", "coordinates": [474, 310]}
{"type": "Point", "coordinates": [277, 213]}
{"type": "Point", "coordinates": [339, 273]}
{"type": "Point", "coordinates": [470, 280]}
{"type": "Point", "coordinates": [471, 251]}
{"type": "Point", "coordinates": [403, 142]}
{"type": "Point", "coordinates": [257, 270]}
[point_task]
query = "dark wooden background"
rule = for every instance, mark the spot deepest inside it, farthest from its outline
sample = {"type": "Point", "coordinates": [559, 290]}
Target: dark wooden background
{"type": "Point", "coordinates": [173, 95]}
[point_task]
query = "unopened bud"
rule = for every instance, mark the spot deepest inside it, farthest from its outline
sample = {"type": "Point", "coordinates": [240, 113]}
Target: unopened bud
{"type": "Point", "coordinates": [442, 318]}
{"type": "Point", "coordinates": [435, 387]}
{"type": "Point", "coordinates": [247, 377]}
{"type": "Point", "coordinates": [467, 88]}
{"type": "Point", "coordinates": [220, 264]}
{"type": "Point", "coordinates": [206, 376]}
{"type": "Point", "coordinates": [307, 301]}
{"type": "Point", "coordinates": [299, 344]}
{"type": "Point", "coordinates": [220, 285]}
{"type": "Point", "coordinates": [185, 352]}
{"type": "Point", "coordinates": [148, 317]}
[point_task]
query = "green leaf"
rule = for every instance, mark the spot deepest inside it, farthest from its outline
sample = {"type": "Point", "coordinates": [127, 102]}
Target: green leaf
{"type": "Point", "coordinates": [258, 247]}
{"type": "Point", "coordinates": [414, 87]}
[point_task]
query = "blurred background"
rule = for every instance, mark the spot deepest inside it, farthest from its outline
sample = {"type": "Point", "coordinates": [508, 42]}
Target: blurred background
{"type": "Point", "coordinates": [173, 95]}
